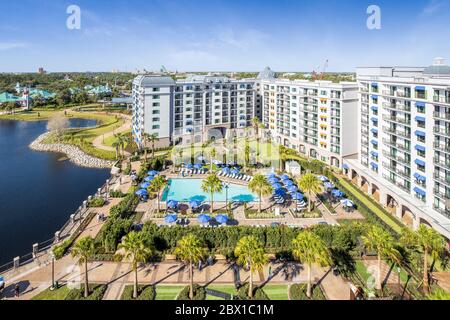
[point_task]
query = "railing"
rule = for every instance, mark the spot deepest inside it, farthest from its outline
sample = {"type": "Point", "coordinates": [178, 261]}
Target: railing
{"type": "Point", "coordinates": [439, 115]}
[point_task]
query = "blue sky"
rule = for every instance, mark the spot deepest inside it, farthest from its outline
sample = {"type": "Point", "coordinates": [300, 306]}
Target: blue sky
{"type": "Point", "coordinates": [223, 35]}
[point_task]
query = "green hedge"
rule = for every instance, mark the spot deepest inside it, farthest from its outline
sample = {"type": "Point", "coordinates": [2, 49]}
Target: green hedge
{"type": "Point", "coordinates": [96, 292]}
{"type": "Point", "coordinates": [96, 202]}
{"type": "Point", "coordinates": [298, 292]}
{"type": "Point", "coordinates": [145, 292]}
{"type": "Point", "coordinates": [258, 293]}
{"type": "Point", "coordinates": [117, 194]}
{"type": "Point", "coordinates": [199, 293]}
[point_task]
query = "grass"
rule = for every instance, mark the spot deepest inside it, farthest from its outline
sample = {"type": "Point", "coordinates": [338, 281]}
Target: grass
{"type": "Point", "coordinates": [389, 220]}
{"type": "Point", "coordinates": [110, 140]}
{"type": "Point", "coordinates": [33, 115]}
{"type": "Point", "coordinates": [165, 292]}
{"type": "Point", "coordinates": [58, 294]}
{"type": "Point", "coordinates": [276, 291]}
{"type": "Point", "coordinates": [362, 270]}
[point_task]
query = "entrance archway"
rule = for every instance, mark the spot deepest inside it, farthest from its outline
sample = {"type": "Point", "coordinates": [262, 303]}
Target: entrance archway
{"type": "Point", "coordinates": [391, 204]}
{"type": "Point", "coordinates": [375, 192]}
{"type": "Point", "coordinates": [407, 216]}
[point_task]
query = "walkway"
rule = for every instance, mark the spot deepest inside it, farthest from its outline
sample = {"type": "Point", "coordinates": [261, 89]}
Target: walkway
{"type": "Point", "coordinates": [98, 141]}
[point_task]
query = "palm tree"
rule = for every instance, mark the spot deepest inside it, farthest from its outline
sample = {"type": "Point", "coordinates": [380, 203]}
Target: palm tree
{"type": "Point", "coordinates": [310, 249]}
{"type": "Point", "coordinates": [261, 186]}
{"type": "Point", "coordinates": [310, 184]}
{"type": "Point", "coordinates": [250, 254]}
{"type": "Point", "coordinates": [381, 241]}
{"type": "Point", "coordinates": [211, 185]}
{"type": "Point", "coordinates": [213, 154]}
{"type": "Point", "coordinates": [157, 185]}
{"type": "Point", "coordinates": [246, 154]}
{"type": "Point", "coordinates": [427, 241]}
{"type": "Point", "coordinates": [256, 126]}
{"type": "Point", "coordinates": [116, 145]}
{"type": "Point", "coordinates": [83, 250]}
{"type": "Point", "coordinates": [135, 251]}
{"type": "Point", "coordinates": [190, 250]}
{"type": "Point", "coordinates": [145, 137]}
{"type": "Point", "coordinates": [153, 138]}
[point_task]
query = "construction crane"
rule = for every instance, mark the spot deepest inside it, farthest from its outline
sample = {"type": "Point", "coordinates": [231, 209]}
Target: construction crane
{"type": "Point", "coordinates": [321, 76]}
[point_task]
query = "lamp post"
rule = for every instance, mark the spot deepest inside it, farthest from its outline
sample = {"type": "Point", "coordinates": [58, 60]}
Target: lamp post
{"type": "Point", "coordinates": [226, 186]}
{"type": "Point", "coordinates": [52, 255]}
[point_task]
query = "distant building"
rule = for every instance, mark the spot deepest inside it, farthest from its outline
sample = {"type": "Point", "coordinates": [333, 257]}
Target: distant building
{"type": "Point", "coordinates": [41, 71]}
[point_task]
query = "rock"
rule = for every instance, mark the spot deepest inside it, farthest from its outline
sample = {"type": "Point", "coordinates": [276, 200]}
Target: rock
{"type": "Point", "coordinates": [75, 155]}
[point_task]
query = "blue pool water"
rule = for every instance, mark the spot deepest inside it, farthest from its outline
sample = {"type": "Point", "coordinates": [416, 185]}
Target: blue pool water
{"type": "Point", "coordinates": [185, 190]}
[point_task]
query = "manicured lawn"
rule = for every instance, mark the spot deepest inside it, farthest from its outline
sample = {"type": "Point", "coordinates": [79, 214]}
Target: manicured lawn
{"type": "Point", "coordinates": [30, 115]}
{"type": "Point", "coordinates": [276, 291]}
{"type": "Point", "coordinates": [389, 220]}
{"type": "Point", "coordinates": [362, 271]}
{"type": "Point", "coordinates": [59, 294]}
{"type": "Point", "coordinates": [165, 292]}
{"type": "Point", "coordinates": [110, 140]}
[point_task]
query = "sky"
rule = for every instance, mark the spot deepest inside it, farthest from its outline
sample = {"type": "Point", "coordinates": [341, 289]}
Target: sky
{"type": "Point", "coordinates": [221, 35]}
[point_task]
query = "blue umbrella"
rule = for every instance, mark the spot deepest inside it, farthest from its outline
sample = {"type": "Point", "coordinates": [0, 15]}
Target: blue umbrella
{"type": "Point", "coordinates": [328, 185]}
{"type": "Point", "coordinates": [234, 171]}
{"type": "Point", "coordinates": [145, 185]}
{"type": "Point", "coordinates": [292, 189]}
{"type": "Point", "coordinates": [284, 177]}
{"type": "Point", "coordinates": [153, 173]}
{"type": "Point", "coordinates": [198, 166]}
{"type": "Point", "coordinates": [347, 203]}
{"type": "Point", "coordinates": [222, 219]}
{"type": "Point", "coordinates": [276, 186]}
{"type": "Point", "coordinates": [273, 180]}
{"type": "Point", "coordinates": [216, 162]}
{"type": "Point", "coordinates": [288, 183]}
{"type": "Point", "coordinates": [279, 192]}
{"type": "Point", "coordinates": [271, 175]}
{"type": "Point", "coordinates": [172, 204]}
{"type": "Point", "coordinates": [195, 204]}
{"type": "Point", "coordinates": [226, 170]}
{"type": "Point", "coordinates": [298, 196]}
{"type": "Point", "coordinates": [171, 218]}
{"type": "Point", "coordinates": [337, 193]}
{"type": "Point", "coordinates": [322, 178]}
{"type": "Point", "coordinates": [149, 179]}
{"type": "Point", "coordinates": [190, 166]}
{"type": "Point", "coordinates": [204, 218]}
{"type": "Point", "coordinates": [141, 193]}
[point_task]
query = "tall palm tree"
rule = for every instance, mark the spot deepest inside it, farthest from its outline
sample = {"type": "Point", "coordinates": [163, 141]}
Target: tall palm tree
{"type": "Point", "coordinates": [153, 138]}
{"type": "Point", "coordinates": [157, 185]}
{"type": "Point", "coordinates": [261, 186]}
{"type": "Point", "coordinates": [145, 137]}
{"type": "Point", "coordinates": [116, 145]}
{"type": "Point", "coordinates": [135, 251]}
{"type": "Point", "coordinates": [310, 249]}
{"type": "Point", "coordinates": [250, 254]}
{"type": "Point", "coordinates": [213, 154]}
{"type": "Point", "coordinates": [427, 241]}
{"type": "Point", "coordinates": [211, 185]}
{"type": "Point", "coordinates": [256, 126]}
{"type": "Point", "coordinates": [190, 250]}
{"type": "Point", "coordinates": [246, 154]}
{"type": "Point", "coordinates": [83, 250]}
{"type": "Point", "coordinates": [381, 241]}
{"type": "Point", "coordinates": [310, 184]}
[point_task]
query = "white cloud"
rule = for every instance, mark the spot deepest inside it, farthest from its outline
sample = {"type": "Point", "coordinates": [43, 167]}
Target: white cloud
{"type": "Point", "coordinates": [432, 7]}
{"type": "Point", "coordinates": [4, 46]}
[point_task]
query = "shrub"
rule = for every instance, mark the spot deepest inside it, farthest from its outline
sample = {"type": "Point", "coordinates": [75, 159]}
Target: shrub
{"type": "Point", "coordinates": [199, 293]}
{"type": "Point", "coordinates": [298, 292]}
{"type": "Point", "coordinates": [258, 293]}
{"type": "Point", "coordinates": [116, 194]}
{"type": "Point", "coordinates": [96, 202]}
{"type": "Point", "coordinates": [145, 292]}
{"type": "Point", "coordinates": [97, 292]}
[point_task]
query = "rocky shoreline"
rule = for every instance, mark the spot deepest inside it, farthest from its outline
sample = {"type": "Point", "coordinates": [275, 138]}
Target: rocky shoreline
{"type": "Point", "coordinates": [74, 154]}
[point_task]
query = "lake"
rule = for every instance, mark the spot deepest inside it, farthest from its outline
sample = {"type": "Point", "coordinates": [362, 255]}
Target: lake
{"type": "Point", "coordinates": [38, 191]}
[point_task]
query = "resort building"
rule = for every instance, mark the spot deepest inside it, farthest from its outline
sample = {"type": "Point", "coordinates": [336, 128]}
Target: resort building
{"type": "Point", "coordinates": [194, 109]}
{"type": "Point", "coordinates": [404, 144]}
{"type": "Point", "coordinates": [318, 119]}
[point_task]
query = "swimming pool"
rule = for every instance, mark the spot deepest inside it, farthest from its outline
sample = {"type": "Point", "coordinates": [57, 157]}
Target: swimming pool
{"type": "Point", "coordinates": [185, 190]}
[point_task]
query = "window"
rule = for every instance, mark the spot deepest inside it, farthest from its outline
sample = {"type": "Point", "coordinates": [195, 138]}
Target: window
{"type": "Point", "coordinates": [155, 112]}
{"type": "Point", "coordinates": [156, 126]}
{"type": "Point", "coordinates": [155, 96]}
{"type": "Point", "coordinates": [155, 119]}
{"type": "Point", "coordinates": [156, 89]}
{"type": "Point", "coordinates": [156, 104]}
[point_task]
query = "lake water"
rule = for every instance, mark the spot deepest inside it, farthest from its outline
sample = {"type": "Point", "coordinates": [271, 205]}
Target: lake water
{"type": "Point", "coordinates": [38, 192]}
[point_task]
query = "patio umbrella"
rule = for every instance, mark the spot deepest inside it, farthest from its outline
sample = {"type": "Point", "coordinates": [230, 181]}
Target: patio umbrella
{"type": "Point", "coordinates": [347, 203]}
{"type": "Point", "coordinates": [226, 170]}
{"type": "Point", "coordinates": [149, 179]}
{"type": "Point", "coordinates": [204, 218]}
{"type": "Point", "coordinates": [284, 177]}
{"type": "Point", "coordinates": [322, 178]}
{"type": "Point", "coordinates": [276, 186]}
{"type": "Point", "coordinates": [337, 193]}
{"type": "Point", "coordinates": [273, 180]}
{"type": "Point", "coordinates": [195, 204]}
{"type": "Point", "coordinates": [288, 183]}
{"type": "Point", "coordinates": [292, 189]}
{"type": "Point", "coordinates": [153, 173]}
{"type": "Point", "coordinates": [201, 158]}
{"type": "Point", "coordinates": [141, 193]}
{"type": "Point", "coordinates": [171, 218]}
{"type": "Point", "coordinates": [271, 175]}
{"type": "Point", "coordinates": [234, 171]}
{"type": "Point", "coordinates": [172, 204]}
{"type": "Point", "coordinates": [145, 185]}
{"type": "Point", "coordinates": [222, 219]}
{"type": "Point", "coordinates": [216, 162]}
{"type": "Point", "coordinates": [198, 166]}
{"type": "Point", "coordinates": [189, 166]}
{"type": "Point", "coordinates": [328, 185]}
{"type": "Point", "coordinates": [298, 196]}
{"type": "Point", "coordinates": [279, 192]}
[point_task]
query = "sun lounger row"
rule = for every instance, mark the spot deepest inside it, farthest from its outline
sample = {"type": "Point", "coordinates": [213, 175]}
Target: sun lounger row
{"type": "Point", "coordinates": [279, 200]}
{"type": "Point", "coordinates": [241, 177]}
{"type": "Point", "coordinates": [193, 171]}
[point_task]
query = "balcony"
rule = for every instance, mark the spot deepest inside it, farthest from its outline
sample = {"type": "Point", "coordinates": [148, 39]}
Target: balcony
{"type": "Point", "coordinates": [441, 99]}
{"type": "Point", "coordinates": [403, 173]}
{"type": "Point", "coordinates": [442, 211]}
{"type": "Point", "coordinates": [397, 145]}
{"type": "Point", "coordinates": [442, 147]}
{"type": "Point", "coordinates": [397, 106]}
{"type": "Point", "coordinates": [441, 163]}
{"type": "Point", "coordinates": [442, 116]}
{"type": "Point", "coordinates": [398, 184]}
{"type": "Point", "coordinates": [397, 158]}
{"type": "Point", "coordinates": [443, 195]}
{"type": "Point", "coordinates": [397, 119]}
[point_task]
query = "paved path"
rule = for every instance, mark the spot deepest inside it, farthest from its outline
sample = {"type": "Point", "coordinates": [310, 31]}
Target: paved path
{"type": "Point", "coordinates": [98, 142]}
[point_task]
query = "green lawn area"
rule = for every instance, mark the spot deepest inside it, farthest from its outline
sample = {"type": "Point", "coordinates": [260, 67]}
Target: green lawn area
{"type": "Point", "coordinates": [59, 294]}
{"type": "Point", "coordinates": [110, 140]}
{"type": "Point", "coordinates": [362, 270]}
{"type": "Point", "coordinates": [276, 291]}
{"type": "Point", "coordinates": [166, 292]}
{"type": "Point", "coordinates": [389, 220]}
{"type": "Point", "coordinates": [33, 115]}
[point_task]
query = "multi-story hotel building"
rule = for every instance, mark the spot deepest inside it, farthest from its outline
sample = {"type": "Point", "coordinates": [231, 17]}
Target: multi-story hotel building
{"type": "Point", "coordinates": [318, 119]}
{"type": "Point", "coordinates": [404, 145]}
{"type": "Point", "coordinates": [195, 109]}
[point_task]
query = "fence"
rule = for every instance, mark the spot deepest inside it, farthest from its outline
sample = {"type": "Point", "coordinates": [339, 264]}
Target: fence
{"type": "Point", "coordinates": [40, 250]}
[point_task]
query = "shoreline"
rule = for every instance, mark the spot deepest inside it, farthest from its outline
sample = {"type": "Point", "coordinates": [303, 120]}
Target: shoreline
{"type": "Point", "coordinates": [74, 154]}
